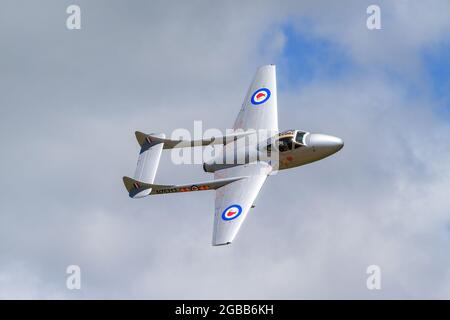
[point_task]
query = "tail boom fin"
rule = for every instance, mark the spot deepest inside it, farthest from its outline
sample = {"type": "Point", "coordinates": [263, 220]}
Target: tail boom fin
{"type": "Point", "coordinates": [137, 189]}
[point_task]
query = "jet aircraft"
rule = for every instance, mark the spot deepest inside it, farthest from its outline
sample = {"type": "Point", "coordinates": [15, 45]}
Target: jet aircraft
{"type": "Point", "coordinates": [238, 181]}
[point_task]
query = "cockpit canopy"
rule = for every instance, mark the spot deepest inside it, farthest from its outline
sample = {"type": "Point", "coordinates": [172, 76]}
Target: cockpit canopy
{"type": "Point", "coordinates": [289, 140]}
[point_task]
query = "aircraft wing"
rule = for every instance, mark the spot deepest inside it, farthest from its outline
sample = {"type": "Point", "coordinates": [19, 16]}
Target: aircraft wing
{"type": "Point", "coordinates": [234, 200]}
{"type": "Point", "coordinates": [259, 110]}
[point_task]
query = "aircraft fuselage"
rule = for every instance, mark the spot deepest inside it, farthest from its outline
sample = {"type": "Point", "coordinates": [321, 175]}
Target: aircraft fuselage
{"type": "Point", "coordinates": [293, 148]}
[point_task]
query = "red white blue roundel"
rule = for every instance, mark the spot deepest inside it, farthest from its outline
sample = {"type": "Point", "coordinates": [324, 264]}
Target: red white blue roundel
{"type": "Point", "coordinates": [232, 212]}
{"type": "Point", "coordinates": [260, 96]}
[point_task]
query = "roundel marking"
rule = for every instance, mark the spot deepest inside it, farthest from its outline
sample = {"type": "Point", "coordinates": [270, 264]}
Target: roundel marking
{"type": "Point", "coordinates": [231, 212]}
{"type": "Point", "coordinates": [260, 96]}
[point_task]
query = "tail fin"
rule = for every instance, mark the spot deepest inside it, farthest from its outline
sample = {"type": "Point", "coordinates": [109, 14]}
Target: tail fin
{"type": "Point", "coordinates": [140, 137]}
{"type": "Point", "coordinates": [135, 188]}
{"type": "Point", "coordinates": [149, 139]}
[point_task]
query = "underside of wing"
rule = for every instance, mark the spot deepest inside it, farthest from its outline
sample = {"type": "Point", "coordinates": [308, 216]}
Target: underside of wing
{"type": "Point", "coordinates": [259, 110]}
{"type": "Point", "coordinates": [233, 201]}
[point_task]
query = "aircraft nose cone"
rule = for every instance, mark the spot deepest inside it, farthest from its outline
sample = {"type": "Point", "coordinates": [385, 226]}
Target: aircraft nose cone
{"type": "Point", "coordinates": [326, 142]}
{"type": "Point", "coordinates": [339, 143]}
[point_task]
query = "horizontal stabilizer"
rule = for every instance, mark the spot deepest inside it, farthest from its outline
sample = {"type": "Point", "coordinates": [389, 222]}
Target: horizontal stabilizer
{"type": "Point", "coordinates": [148, 160]}
{"type": "Point", "coordinates": [138, 189]}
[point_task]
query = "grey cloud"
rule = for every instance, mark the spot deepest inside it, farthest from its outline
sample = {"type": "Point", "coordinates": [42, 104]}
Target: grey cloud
{"type": "Point", "coordinates": [70, 102]}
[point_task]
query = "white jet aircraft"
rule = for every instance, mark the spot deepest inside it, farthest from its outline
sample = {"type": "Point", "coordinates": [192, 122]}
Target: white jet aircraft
{"type": "Point", "coordinates": [238, 183]}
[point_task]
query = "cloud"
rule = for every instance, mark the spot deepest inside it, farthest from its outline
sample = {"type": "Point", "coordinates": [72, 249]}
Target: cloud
{"type": "Point", "coordinates": [71, 101]}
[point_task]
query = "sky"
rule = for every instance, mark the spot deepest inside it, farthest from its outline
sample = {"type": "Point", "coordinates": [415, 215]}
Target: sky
{"type": "Point", "coordinates": [70, 101]}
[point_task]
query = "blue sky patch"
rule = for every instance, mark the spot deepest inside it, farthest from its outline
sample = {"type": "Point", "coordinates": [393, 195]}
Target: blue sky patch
{"type": "Point", "coordinates": [305, 58]}
{"type": "Point", "coordinates": [437, 66]}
